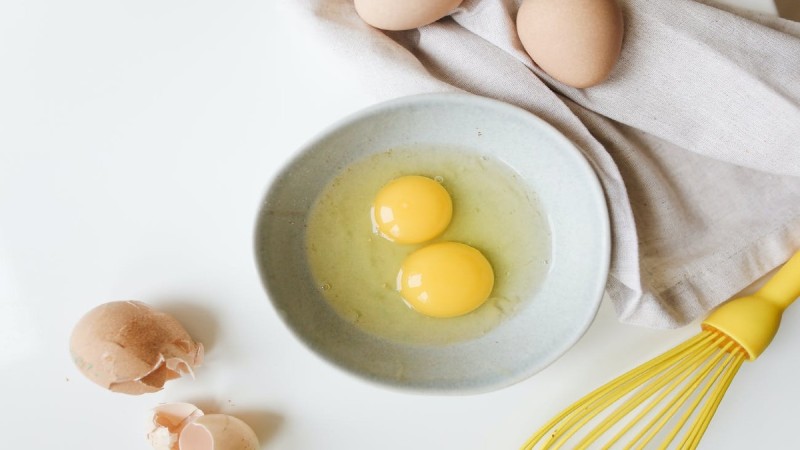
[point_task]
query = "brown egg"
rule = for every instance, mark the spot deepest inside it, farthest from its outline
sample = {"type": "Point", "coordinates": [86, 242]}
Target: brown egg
{"type": "Point", "coordinates": [403, 14]}
{"type": "Point", "coordinates": [129, 347]}
{"type": "Point", "coordinates": [577, 42]}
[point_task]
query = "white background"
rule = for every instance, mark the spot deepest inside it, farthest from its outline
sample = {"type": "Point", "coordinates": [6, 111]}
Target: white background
{"type": "Point", "coordinates": [136, 140]}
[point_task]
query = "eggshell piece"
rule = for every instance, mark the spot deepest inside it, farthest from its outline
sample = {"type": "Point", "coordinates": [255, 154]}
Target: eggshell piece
{"type": "Point", "coordinates": [166, 423]}
{"type": "Point", "coordinates": [577, 42]}
{"type": "Point", "coordinates": [217, 432]}
{"type": "Point", "coordinates": [129, 347]}
{"type": "Point", "coordinates": [405, 14]}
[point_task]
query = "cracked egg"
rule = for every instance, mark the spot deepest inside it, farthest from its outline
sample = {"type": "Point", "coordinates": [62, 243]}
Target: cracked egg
{"type": "Point", "coordinates": [183, 426]}
{"type": "Point", "coordinates": [129, 347]}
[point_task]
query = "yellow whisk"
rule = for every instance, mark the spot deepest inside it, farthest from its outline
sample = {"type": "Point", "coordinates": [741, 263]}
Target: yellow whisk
{"type": "Point", "coordinates": [673, 397]}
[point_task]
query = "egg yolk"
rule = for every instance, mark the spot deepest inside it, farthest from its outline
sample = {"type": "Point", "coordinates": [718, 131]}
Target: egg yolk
{"type": "Point", "coordinates": [412, 209]}
{"type": "Point", "coordinates": [445, 279]}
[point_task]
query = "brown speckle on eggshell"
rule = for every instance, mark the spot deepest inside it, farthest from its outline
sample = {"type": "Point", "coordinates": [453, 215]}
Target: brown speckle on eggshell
{"type": "Point", "coordinates": [129, 347]}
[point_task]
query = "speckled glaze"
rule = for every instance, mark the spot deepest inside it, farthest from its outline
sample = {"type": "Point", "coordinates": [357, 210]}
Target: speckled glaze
{"type": "Point", "coordinates": [561, 309]}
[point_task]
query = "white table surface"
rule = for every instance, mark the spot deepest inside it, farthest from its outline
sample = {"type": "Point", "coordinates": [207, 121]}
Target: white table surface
{"type": "Point", "coordinates": [136, 140]}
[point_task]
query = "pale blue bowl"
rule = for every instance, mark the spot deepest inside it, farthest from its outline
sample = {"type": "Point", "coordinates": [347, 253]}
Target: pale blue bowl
{"type": "Point", "coordinates": [548, 324]}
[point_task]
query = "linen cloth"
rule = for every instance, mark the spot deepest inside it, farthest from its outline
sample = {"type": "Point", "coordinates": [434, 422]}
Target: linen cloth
{"type": "Point", "coordinates": [695, 136]}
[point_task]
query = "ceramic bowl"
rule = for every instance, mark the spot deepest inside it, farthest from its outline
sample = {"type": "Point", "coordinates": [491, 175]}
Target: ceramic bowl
{"type": "Point", "coordinates": [541, 330]}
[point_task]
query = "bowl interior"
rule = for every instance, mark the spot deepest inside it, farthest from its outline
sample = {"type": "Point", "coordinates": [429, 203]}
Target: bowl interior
{"type": "Point", "coordinates": [545, 326]}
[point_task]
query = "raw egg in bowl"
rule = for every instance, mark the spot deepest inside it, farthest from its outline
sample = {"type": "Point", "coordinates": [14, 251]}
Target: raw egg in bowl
{"type": "Point", "coordinates": [446, 243]}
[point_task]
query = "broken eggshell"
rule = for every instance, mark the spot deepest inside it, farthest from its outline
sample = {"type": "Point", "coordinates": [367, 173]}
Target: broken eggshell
{"type": "Point", "coordinates": [129, 347]}
{"type": "Point", "coordinates": [166, 423]}
{"type": "Point", "coordinates": [182, 426]}
{"type": "Point", "coordinates": [217, 432]}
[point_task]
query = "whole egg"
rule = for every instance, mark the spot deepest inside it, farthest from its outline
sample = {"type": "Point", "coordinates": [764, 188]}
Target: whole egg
{"type": "Point", "coordinates": [577, 42]}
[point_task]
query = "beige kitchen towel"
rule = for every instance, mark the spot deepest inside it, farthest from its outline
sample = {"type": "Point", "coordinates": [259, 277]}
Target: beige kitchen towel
{"type": "Point", "coordinates": [695, 136]}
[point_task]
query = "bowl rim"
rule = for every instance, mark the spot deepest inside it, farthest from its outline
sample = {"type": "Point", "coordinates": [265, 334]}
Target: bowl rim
{"type": "Point", "coordinates": [452, 98]}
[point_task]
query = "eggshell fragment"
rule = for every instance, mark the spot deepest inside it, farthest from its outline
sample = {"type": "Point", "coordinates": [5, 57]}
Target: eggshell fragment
{"type": "Point", "coordinates": [182, 426]}
{"type": "Point", "coordinates": [405, 14]}
{"type": "Point", "coordinates": [166, 423]}
{"type": "Point", "coordinates": [217, 432]}
{"type": "Point", "coordinates": [577, 42]}
{"type": "Point", "coordinates": [129, 347]}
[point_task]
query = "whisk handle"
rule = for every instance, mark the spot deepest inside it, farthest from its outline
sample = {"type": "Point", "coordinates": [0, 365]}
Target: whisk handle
{"type": "Point", "coordinates": [753, 321]}
{"type": "Point", "coordinates": [784, 287]}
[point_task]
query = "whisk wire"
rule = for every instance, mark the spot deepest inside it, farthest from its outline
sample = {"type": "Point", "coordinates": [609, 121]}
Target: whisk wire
{"type": "Point", "coordinates": [730, 352]}
{"type": "Point", "coordinates": [638, 376]}
{"type": "Point", "coordinates": [686, 364]}
{"type": "Point", "coordinates": [692, 438]}
{"type": "Point", "coordinates": [609, 395]}
{"type": "Point", "coordinates": [675, 395]}
{"type": "Point", "coordinates": [691, 388]}
{"type": "Point", "coordinates": [660, 419]}
{"type": "Point", "coordinates": [687, 367]}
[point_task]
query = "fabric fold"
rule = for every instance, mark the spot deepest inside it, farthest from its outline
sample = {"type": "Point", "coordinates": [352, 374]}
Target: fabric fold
{"type": "Point", "coordinates": [694, 137]}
